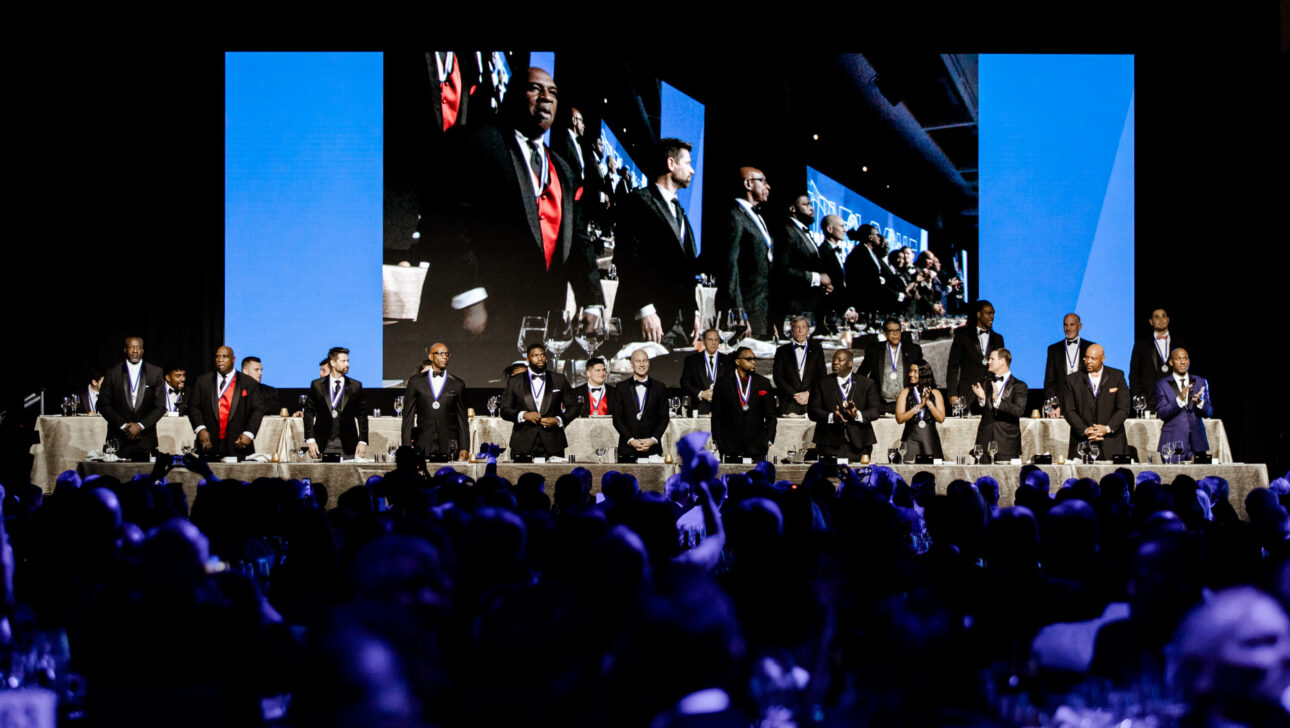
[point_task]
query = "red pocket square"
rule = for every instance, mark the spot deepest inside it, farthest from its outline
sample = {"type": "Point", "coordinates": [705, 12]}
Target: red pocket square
{"type": "Point", "coordinates": [761, 393]}
{"type": "Point", "coordinates": [244, 392]}
{"type": "Point", "coordinates": [578, 195]}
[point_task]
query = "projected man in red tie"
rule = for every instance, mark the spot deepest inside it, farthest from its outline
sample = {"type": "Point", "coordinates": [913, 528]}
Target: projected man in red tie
{"type": "Point", "coordinates": [225, 409]}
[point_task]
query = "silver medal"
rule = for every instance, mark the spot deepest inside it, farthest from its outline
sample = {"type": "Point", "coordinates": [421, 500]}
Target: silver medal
{"type": "Point", "coordinates": [334, 413]}
{"type": "Point", "coordinates": [434, 405]}
{"type": "Point", "coordinates": [985, 360]}
{"type": "Point", "coordinates": [638, 415]}
{"type": "Point", "coordinates": [1164, 368]}
{"type": "Point", "coordinates": [745, 407]}
{"type": "Point", "coordinates": [922, 424]}
{"type": "Point", "coordinates": [892, 376]}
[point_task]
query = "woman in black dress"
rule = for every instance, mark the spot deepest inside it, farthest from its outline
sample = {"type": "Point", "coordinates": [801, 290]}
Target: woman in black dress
{"type": "Point", "coordinates": [920, 407]}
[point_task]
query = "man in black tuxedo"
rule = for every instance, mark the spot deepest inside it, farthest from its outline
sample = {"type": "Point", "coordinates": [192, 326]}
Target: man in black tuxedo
{"type": "Point", "coordinates": [969, 350]}
{"type": "Point", "coordinates": [1002, 399]}
{"type": "Point", "coordinates": [595, 397]}
{"type": "Point", "coordinates": [88, 397]}
{"type": "Point", "coordinates": [505, 238]}
{"type": "Point", "coordinates": [568, 144]}
{"type": "Point", "coordinates": [743, 410]}
{"type": "Point", "coordinates": [742, 256]}
{"type": "Point", "coordinates": [656, 255]}
{"type": "Point", "coordinates": [886, 363]}
{"type": "Point", "coordinates": [171, 398]}
{"type": "Point", "coordinates": [700, 371]}
{"type": "Point", "coordinates": [1096, 406]}
{"type": "Point", "coordinates": [800, 276]}
{"type": "Point", "coordinates": [871, 284]}
{"type": "Point", "coordinates": [128, 401]}
{"type": "Point", "coordinates": [254, 368]}
{"type": "Point", "coordinates": [1149, 362]}
{"type": "Point", "coordinates": [435, 405]}
{"type": "Point", "coordinates": [225, 409]}
{"type": "Point", "coordinates": [843, 408]}
{"type": "Point", "coordinates": [1065, 357]}
{"type": "Point", "coordinates": [639, 406]}
{"type": "Point", "coordinates": [336, 412]}
{"type": "Point", "coordinates": [799, 364]}
{"type": "Point", "coordinates": [538, 403]}
{"type": "Point", "coordinates": [833, 258]}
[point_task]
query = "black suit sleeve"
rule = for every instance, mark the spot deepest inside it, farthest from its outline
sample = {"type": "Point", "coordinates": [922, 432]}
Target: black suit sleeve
{"type": "Point", "coordinates": [109, 393]}
{"type": "Point", "coordinates": [311, 407]}
{"type": "Point", "coordinates": [1070, 408]}
{"type": "Point", "coordinates": [954, 365]}
{"type": "Point", "coordinates": [152, 412]}
{"type": "Point", "coordinates": [661, 412]}
{"type": "Point", "coordinates": [1050, 373]}
{"type": "Point", "coordinates": [513, 398]}
{"type": "Point", "coordinates": [582, 273]}
{"type": "Point", "coordinates": [463, 425]}
{"type": "Point", "coordinates": [693, 377]}
{"type": "Point", "coordinates": [725, 260]}
{"type": "Point", "coordinates": [360, 401]}
{"type": "Point", "coordinates": [770, 412]}
{"type": "Point", "coordinates": [410, 406]}
{"type": "Point", "coordinates": [779, 372]}
{"type": "Point", "coordinates": [1121, 413]}
{"type": "Point", "coordinates": [871, 407]}
{"type": "Point", "coordinates": [618, 409]}
{"type": "Point", "coordinates": [815, 405]}
{"type": "Point", "coordinates": [719, 405]}
{"type": "Point", "coordinates": [256, 415]}
{"type": "Point", "coordinates": [196, 405]}
{"type": "Point", "coordinates": [569, 401]}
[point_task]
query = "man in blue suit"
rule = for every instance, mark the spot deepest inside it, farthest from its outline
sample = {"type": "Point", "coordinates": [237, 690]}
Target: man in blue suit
{"type": "Point", "coordinates": [1182, 399]}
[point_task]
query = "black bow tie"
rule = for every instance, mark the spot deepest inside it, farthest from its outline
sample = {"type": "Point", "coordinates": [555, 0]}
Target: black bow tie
{"type": "Point", "coordinates": [982, 331]}
{"type": "Point", "coordinates": [595, 389]}
{"type": "Point", "coordinates": [1071, 341]}
{"type": "Point", "coordinates": [997, 378]}
{"type": "Point", "coordinates": [800, 346]}
{"type": "Point", "coordinates": [642, 383]}
{"type": "Point", "coordinates": [536, 377]}
{"type": "Point", "coordinates": [436, 374]}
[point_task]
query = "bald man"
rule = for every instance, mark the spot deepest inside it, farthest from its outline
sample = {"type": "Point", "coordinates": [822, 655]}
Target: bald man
{"type": "Point", "coordinates": [1096, 405]}
{"type": "Point", "coordinates": [1065, 357]}
{"type": "Point", "coordinates": [1182, 402]}
{"type": "Point", "coordinates": [743, 256]}
{"type": "Point", "coordinates": [639, 406]}
{"type": "Point", "coordinates": [128, 401]}
{"type": "Point", "coordinates": [434, 410]}
{"type": "Point", "coordinates": [225, 409]}
{"type": "Point", "coordinates": [843, 408]}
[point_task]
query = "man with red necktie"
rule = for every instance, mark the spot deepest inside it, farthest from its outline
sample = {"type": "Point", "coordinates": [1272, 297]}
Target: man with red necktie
{"type": "Point", "coordinates": [1149, 362]}
{"type": "Point", "coordinates": [505, 239]}
{"type": "Point", "coordinates": [225, 409]}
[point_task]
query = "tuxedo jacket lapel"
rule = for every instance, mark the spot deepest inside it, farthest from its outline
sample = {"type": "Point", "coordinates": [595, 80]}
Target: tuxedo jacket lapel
{"type": "Point", "coordinates": [523, 177]}
{"type": "Point", "coordinates": [236, 384]}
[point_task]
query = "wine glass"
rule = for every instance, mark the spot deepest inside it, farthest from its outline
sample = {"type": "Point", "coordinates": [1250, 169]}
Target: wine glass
{"type": "Point", "coordinates": [532, 329]}
{"type": "Point", "coordinates": [976, 452]}
{"type": "Point", "coordinates": [1139, 404]}
{"type": "Point", "coordinates": [398, 406]}
{"type": "Point", "coordinates": [788, 326]}
{"type": "Point", "coordinates": [992, 447]}
{"type": "Point", "coordinates": [559, 335]}
{"type": "Point", "coordinates": [493, 403]}
{"type": "Point", "coordinates": [903, 449]}
{"type": "Point", "coordinates": [391, 450]}
{"type": "Point", "coordinates": [109, 448]}
{"type": "Point", "coordinates": [76, 402]}
{"type": "Point", "coordinates": [1094, 451]}
{"type": "Point", "coordinates": [452, 449]}
{"type": "Point", "coordinates": [673, 404]}
{"type": "Point", "coordinates": [66, 405]}
{"type": "Point", "coordinates": [685, 405]}
{"type": "Point", "coordinates": [303, 399]}
{"type": "Point", "coordinates": [1082, 450]}
{"type": "Point", "coordinates": [833, 320]}
{"type": "Point", "coordinates": [738, 324]}
{"type": "Point", "coordinates": [600, 454]}
{"type": "Point", "coordinates": [724, 329]}
{"type": "Point", "coordinates": [591, 333]}
{"type": "Point", "coordinates": [810, 322]}
{"type": "Point", "coordinates": [792, 456]}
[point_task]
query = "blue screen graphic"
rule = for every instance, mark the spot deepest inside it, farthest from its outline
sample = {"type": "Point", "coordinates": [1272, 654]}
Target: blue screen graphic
{"type": "Point", "coordinates": [627, 169]}
{"type": "Point", "coordinates": [682, 118]}
{"type": "Point", "coordinates": [1056, 202]}
{"type": "Point", "coordinates": [302, 211]}
{"type": "Point", "coordinates": [831, 197]}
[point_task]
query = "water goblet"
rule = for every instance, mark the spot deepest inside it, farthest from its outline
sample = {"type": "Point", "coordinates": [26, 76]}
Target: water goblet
{"type": "Point", "coordinates": [685, 405]}
{"type": "Point", "coordinates": [600, 454]}
{"type": "Point", "coordinates": [903, 449]}
{"type": "Point", "coordinates": [1082, 450]}
{"type": "Point", "coordinates": [1094, 451]}
{"type": "Point", "coordinates": [493, 402]}
{"type": "Point", "coordinates": [109, 447]}
{"type": "Point", "coordinates": [976, 452]}
{"type": "Point", "coordinates": [992, 447]}
{"type": "Point", "coordinates": [398, 406]}
{"type": "Point", "coordinates": [792, 456]}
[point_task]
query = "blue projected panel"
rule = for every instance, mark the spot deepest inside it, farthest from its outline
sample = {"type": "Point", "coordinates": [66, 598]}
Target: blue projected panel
{"type": "Point", "coordinates": [681, 118]}
{"type": "Point", "coordinates": [302, 211]}
{"type": "Point", "coordinates": [1056, 202]}
{"type": "Point", "coordinates": [830, 197]}
{"type": "Point", "coordinates": [628, 171]}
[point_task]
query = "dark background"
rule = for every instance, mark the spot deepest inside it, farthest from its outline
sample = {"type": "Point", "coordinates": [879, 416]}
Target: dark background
{"type": "Point", "coordinates": [120, 183]}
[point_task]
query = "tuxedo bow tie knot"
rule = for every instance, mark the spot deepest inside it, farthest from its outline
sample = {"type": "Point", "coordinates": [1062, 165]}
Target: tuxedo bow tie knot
{"type": "Point", "coordinates": [998, 378]}
{"type": "Point", "coordinates": [436, 374]}
{"type": "Point", "coordinates": [799, 346]}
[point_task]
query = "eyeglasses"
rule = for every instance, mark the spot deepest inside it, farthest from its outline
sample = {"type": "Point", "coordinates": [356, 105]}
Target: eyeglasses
{"type": "Point", "coordinates": [746, 358]}
{"type": "Point", "coordinates": [892, 331]}
{"type": "Point", "coordinates": [756, 179]}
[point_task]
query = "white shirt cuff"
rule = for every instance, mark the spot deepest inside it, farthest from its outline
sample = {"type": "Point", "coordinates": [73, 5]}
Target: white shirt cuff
{"type": "Point", "coordinates": [310, 441]}
{"type": "Point", "coordinates": [519, 420]}
{"type": "Point", "coordinates": [830, 418]}
{"type": "Point", "coordinates": [815, 279]}
{"type": "Point", "coordinates": [1181, 402]}
{"type": "Point", "coordinates": [250, 435]}
{"type": "Point", "coordinates": [560, 420]}
{"type": "Point", "coordinates": [646, 310]}
{"type": "Point", "coordinates": [469, 298]}
{"type": "Point", "coordinates": [199, 429]}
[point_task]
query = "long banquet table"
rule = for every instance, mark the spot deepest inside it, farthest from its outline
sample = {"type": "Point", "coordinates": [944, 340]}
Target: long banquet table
{"type": "Point", "coordinates": [66, 441]}
{"type": "Point", "coordinates": [1242, 478]}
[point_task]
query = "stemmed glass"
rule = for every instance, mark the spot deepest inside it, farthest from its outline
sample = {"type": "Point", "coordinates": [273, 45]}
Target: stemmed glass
{"type": "Point", "coordinates": [976, 452]}
{"type": "Point", "coordinates": [685, 406]}
{"type": "Point", "coordinates": [960, 407]}
{"type": "Point", "coordinates": [788, 326]}
{"type": "Point", "coordinates": [109, 447]}
{"type": "Point", "coordinates": [66, 405]}
{"type": "Point", "coordinates": [725, 327]}
{"type": "Point", "coordinates": [674, 406]}
{"type": "Point", "coordinates": [600, 454]}
{"type": "Point", "coordinates": [1050, 405]}
{"type": "Point", "coordinates": [810, 322]}
{"type": "Point", "coordinates": [1094, 451]}
{"type": "Point", "coordinates": [992, 447]}
{"type": "Point", "coordinates": [532, 329]}
{"type": "Point", "coordinates": [1139, 404]}
{"type": "Point", "coordinates": [493, 403]}
{"type": "Point", "coordinates": [559, 335]}
{"type": "Point", "coordinates": [398, 406]}
{"type": "Point", "coordinates": [1082, 450]}
{"type": "Point", "coordinates": [902, 448]}
{"type": "Point", "coordinates": [76, 402]}
{"type": "Point", "coordinates": [738, 324]}
{"type": "Point", "coordinates": [590, 334]}
{"type": "Point", "coordinates": [834, 322]}
{"type": "Point", "coordinates": [792, 456]}
{"type": "Point", "coordinates": [613, 331]}
{"type": "Point", "coordinates": [391, 450]}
